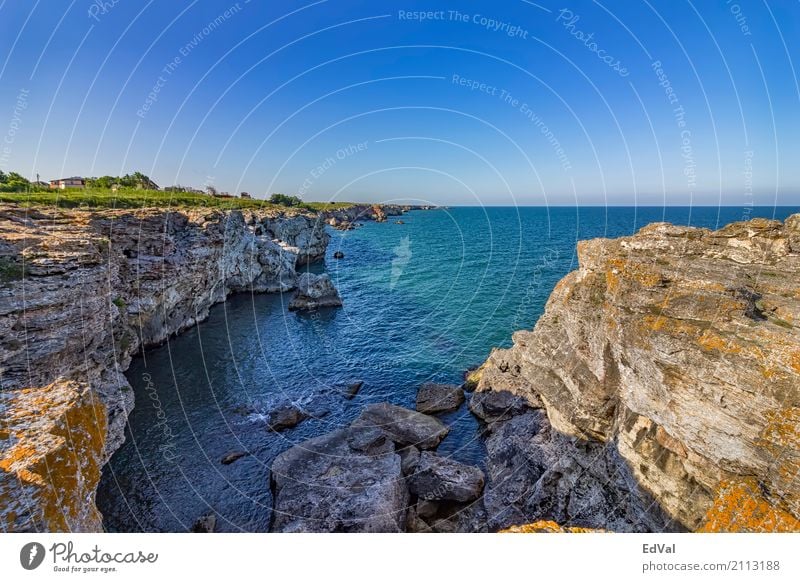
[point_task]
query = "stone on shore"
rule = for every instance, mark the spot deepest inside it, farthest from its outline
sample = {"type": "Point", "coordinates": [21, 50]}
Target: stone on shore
{"type": "Point", "coordinates": [327, 485]}
{"type": "Point", "coordinates": [438, 478]}
{"type": "Point", "coordinates": [403, 426]}
{"type": "Point", "coordinates": [409, 458]}
{"type": "Point", "coordinates": [432, 398]}
{"type": "Point", "coordinates": [314, 292]}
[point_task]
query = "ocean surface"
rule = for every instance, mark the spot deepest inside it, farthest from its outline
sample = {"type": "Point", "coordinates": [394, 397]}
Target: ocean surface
{"type": "Point", "coordinates": [423, 301]}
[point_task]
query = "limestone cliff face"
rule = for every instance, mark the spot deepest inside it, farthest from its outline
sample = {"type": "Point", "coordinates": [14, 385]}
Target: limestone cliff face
{"type": "Point", "coordinates": [80, 293]}
{"type": "Point", "coordinates": [678, 349]}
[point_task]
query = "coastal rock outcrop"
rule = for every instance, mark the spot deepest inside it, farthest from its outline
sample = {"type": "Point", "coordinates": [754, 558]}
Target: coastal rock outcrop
{"type": "Point", "coordinates": [668, 365]}
{"type": "Point", "coordinates": [432, 398]}
{"type": "Point", "coordinates": [437, 478]}
{"type": "Point", "coordinates": [314, 292]}
{"type": "Point", "coordinates": [80, 293]}
{"type": "Point", "coordinates": [349, 480]}
{"type": "Point", "coordinates": [402, 426]}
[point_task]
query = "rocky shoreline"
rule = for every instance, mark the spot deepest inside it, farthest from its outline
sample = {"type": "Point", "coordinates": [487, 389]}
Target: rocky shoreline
{"type": "Point", "coordinates": [84, 291]}
{"type": "Point", "coordinates": [660, 390]}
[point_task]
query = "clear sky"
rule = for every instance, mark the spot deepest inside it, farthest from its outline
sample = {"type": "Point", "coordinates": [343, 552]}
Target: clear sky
{"type": "Point", "coordinates": [501, 102]}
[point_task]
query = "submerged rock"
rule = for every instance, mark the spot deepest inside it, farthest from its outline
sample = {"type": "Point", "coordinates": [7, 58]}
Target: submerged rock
{"type": "Point", "coordinates": [432, 398]}
{"type": "Point", "coordinates": [328, 485]}
{"type": "Point", "coordinates": [285, 417]}
{"type": "Point", "coordinates": [314, 292]}
{"type": "Point", "coordinates": [404, 427]}
{"type": "Point", "coordinates": [353, 389]}
{"type": "Point", "coordinates": [437, 478]}
{"type": "Point", "coordinates": [233, 457]}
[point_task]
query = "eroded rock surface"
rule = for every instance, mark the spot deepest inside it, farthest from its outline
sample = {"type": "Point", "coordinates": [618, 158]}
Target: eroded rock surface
{"type": "Point", "coordinates": [433, 398]}
{"type": "Point", "coordinates": [314, 292]}
{"type": "Point", "coordinates": [670, 363]}
{"type": "Point", "coordinates": [349, 480]}
{"type": "Point", "coordinates": [80, 293]}
{"type": "Point", "coordinates": [404, 427]}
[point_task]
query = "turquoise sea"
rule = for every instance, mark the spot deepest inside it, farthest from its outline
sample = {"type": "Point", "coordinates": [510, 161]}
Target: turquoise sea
{"type": "Point", "coordinates": [423, 300]}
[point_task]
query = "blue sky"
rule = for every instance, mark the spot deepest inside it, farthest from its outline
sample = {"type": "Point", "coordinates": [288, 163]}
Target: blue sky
{"type": "Point", "coordinates": [478, 103]}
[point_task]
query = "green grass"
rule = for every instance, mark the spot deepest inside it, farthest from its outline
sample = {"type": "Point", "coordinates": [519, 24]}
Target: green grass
{"type": "Point", "coordinates": [102, 198]}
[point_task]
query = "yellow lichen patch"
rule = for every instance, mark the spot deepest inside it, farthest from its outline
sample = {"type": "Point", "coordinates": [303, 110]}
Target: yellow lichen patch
{"type": "Point", "coordinates": [636, 272]}
{"type": "Point", "coordinates": [672, 326]}
{"type": "Point", "coordinates": [473, 377]}
{"type": "Point", "coordinates": [739, 506]}
{"type": "Point", "coordinates": [546, 526]}
{"type": "Point", "coordinates": [612, 281]}
{"type": "Point", "coordinates": [57, 435]}
{"type": "Point", "coordinates": [796, 361]}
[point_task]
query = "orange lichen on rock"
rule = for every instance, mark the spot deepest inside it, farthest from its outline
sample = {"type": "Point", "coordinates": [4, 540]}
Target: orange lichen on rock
{"type": "Point", "coordinates": [546, 526]}
{"type": "Point", "coordinates": [54, 452]}
{"type": "Point", "coordinates": [796, 361]}
{"type": "Point", "coordinates": [740, 506]}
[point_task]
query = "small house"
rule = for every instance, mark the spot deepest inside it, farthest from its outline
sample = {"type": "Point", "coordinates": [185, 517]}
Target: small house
{"type": "Point", "coordinates": [64, 183]}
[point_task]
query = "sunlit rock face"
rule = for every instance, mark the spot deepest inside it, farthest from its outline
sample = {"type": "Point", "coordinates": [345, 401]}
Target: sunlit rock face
{"type": "Point", "coordinates": [680, 349]}
{"type": "Point", "coordinates": [80, 293]}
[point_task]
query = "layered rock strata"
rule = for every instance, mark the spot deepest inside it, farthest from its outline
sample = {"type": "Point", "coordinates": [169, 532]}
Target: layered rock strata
{"type": "Point", "coordinates": [668, 366]}
{"type": "Point", "coordinates": [81, 293]}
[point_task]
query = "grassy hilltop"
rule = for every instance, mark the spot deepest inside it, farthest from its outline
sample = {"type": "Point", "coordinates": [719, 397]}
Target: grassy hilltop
{"type": "Point", "coordinates": [136, 190]}
{"type": "Point", "coordinates": [136, 198]}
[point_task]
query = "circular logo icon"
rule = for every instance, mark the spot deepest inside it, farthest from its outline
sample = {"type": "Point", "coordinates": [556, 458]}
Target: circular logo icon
{"type": "Point", "coordinates": [31, 555]}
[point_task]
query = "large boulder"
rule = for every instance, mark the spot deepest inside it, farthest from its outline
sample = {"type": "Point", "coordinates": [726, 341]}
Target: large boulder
{"type": "Point", "coordinates": [437, 478]}
{"type": "Point", "coordinates": [314, 292]}
{"type": "Point", "coordinates": [347, 481]}
{"type": "Point", "coordinates": [404, 427]}
{"type": "Point", "coordinates": [432, 398]}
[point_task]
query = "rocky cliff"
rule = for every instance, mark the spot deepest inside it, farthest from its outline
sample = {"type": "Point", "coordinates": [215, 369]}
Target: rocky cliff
{"type": "Point", "coordinates": [80, 293]}
{"type": "Point", "coordinates": [668, 366]}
